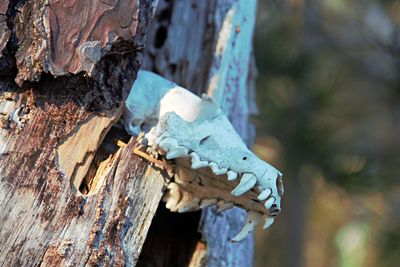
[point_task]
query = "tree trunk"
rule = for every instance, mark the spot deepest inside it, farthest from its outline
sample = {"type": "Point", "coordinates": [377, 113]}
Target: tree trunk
{"type": "Point", "coordinates": [74, 63]}
{"type": "Point", "coordinates": [207, 46]}
{"type": "Point", "coordinates": [70, 194]}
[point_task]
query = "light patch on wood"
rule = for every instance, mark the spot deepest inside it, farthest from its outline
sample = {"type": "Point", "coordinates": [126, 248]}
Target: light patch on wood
{"type": "Point", "coordinates": [76, 153]}
{"type": "Point", "coordinates": [199, 255]}
{"type": "Point", "coordinates": [7, 107]}
{"type": "Point", "coordinates": [230, 66]}
{"type": "Point", "coordinates": [101, 173]}
{"type": "Point", "coordinates": [141, 214]}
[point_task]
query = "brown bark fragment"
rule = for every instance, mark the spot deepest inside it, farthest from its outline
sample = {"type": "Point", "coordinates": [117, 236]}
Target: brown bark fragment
{"type": "Point", "coordinates": [83, 31]}
{"type": "Point", "coordinates": [69, 37]}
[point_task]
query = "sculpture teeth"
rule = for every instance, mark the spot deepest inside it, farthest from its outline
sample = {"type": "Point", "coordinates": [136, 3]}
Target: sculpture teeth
{"type": "Point", "coordinates": [175, 113]}
{"type": "Point", "coordinates": [275, 212]}
{"type": "Point", "coordinates": [189, 207]}
{"type": "Point", "coordinates": [200, 164]}
{"type": "Point", "coordinates": [279, 184]}
{"type": "Point", "coordinates": [268, 222]}
{"type": "Point", "coordinates": [216, 170]}
{"type": "Point", "coordinates": [222, 205]}
{"type": "Point", "coordinates": [171, 203]}
{"type": "Point", "coordinates": [172, 197]}
{"type": "Point", "coordinates": [247, 182]}
{"type": "Point", "coordinates": [196, 162]}
{"type": "Point", "coordinates": [171, 200]}
{"type": "Point", "coordinates": [232, 175]}
{"type": "Point", "coordinates": [253, 218]}
{"type": "Point", "coordinates": [268, 204]}
{"type": "Point", "coordinates": [265, 194]}
{"type": "Point", "coordinates": [207, 203]}
{"type": "Point", "coordinates": [158, 139]}
{"type": "Point", "coordinates": [179, 152]}
{"type": "Point", "coordinates": [168, 144]}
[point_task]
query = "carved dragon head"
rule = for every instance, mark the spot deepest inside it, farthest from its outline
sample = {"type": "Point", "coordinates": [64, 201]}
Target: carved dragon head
{"type": "Point", "coordinates": [208, 154]}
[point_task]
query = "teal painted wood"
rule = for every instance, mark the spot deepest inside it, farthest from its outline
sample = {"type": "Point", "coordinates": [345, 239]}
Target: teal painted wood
{"type": "Point", "coordinates": [206, 46]}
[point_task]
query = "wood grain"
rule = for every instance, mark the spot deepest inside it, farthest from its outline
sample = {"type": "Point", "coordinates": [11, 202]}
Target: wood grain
{"type": "Point", "coordinates": [4, 31]}
{"type": "Point", "coordinates": [50, 131]}
{"type": "Point", "coordinates": [108, 227]}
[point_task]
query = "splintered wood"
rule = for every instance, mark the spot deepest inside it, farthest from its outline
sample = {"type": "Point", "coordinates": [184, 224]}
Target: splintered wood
{"type": "Point", "coordinates": [68, 69]}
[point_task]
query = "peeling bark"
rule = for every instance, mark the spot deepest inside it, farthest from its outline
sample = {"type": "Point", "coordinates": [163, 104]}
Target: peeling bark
{"type": "Point", "coordinates": [72, 36]}
{"type": "Point", "coordinates": [70, 95]}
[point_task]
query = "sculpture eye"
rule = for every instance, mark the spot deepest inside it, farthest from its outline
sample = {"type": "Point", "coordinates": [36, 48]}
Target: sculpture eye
{"type": "Point", "coordinates": [144, 126]}
{"type": "Point", "coordinates": [202, 141]}
{"type": "Point", "coordinates": [244, 158]}
{"type": "Point", "coordinates": [136, 122]}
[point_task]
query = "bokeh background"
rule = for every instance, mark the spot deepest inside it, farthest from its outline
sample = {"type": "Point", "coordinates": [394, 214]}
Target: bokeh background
{"type": "Point", "coordinates": [328, 94]}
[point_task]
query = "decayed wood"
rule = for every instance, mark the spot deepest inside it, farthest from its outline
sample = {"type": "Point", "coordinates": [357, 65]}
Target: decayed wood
{"type": "Point", "coordinates": [75, 154]}
{"type": "Point", "coordinates": [50, 131]}
{"type": "Point", "coordinates": [6, 61]}
{"type": "Point", "coordinates": [108, 227]}
{"type": "Point", "coordinates": [4, 30]}
{"type": "Point", "coordinates": [206, 46]}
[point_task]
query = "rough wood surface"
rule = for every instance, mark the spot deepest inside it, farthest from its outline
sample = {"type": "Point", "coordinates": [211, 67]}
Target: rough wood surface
{"type": "Point", "coordinates": [108, 227]}
{"type": "Point", "coordinates": [72, 36]}
{"type": "Point", "coordinates": [4, 30]}
{"type": "Point", "coordinates": [206, 46]}
{"type": "Point", "coordinates": [5, 34]}
{"type": "Point", "coordinates": [51, 129]}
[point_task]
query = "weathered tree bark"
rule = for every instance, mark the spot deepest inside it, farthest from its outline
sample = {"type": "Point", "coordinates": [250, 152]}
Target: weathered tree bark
{"type": "Point", "coordinates": [69, 194]}
{"type": "Point", "coordinates": [73, 64]}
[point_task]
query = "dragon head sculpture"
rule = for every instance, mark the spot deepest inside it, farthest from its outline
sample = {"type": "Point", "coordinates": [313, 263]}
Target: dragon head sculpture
{"type": "Point", "coordinates": [213, 166]}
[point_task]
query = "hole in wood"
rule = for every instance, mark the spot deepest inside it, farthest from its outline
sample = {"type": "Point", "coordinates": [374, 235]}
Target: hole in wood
{"type": "Point", "coordinates": [172, 67]}
{"type": "Point", "coordinates": [165, 15]}
{"type": "Point", "coordinates": [172, 239]}
{"type": "Point", "coordinates": [103, 160]}
{"type": "Point", "coordinates": [161, 36]}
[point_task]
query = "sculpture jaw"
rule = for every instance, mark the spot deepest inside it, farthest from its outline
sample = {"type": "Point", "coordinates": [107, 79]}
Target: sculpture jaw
{"type": "Point", "coordinates": [212, 164]}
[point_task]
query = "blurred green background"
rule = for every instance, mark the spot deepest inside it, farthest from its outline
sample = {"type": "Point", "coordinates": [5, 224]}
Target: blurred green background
{"type": "Point", "coordinates": [328, 94]}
